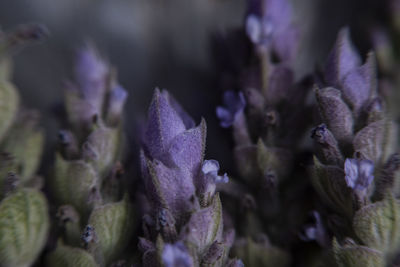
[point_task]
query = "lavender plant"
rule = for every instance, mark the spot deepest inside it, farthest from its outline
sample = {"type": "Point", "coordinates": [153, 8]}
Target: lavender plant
{"type": "Point", "coordinates": [24, 220]}
{"type": "Point", "coordinates": [184, 224]}
{"type": "Point", "coordinates": [96, 219]}
{"type": "Point", "coordinates": [269, 117]}
{"type": "Point", "coordinates": [317, 171]}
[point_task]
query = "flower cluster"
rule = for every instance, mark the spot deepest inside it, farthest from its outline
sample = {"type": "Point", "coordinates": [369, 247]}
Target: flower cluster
{"type": "Point", "coordinates": [316, 180]}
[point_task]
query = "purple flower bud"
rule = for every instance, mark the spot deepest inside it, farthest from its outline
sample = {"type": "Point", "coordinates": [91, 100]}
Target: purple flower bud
{"type": "Point", "coordinates": [176, 255]}
{"type": "Point", "coordinates": [234, 103]}
{"type": "Point", "coordinates": [90, 74]}
{"type": "Point", "coordinates": [359, 173]}
{"type": "Point", "coordinates": [116, 102]}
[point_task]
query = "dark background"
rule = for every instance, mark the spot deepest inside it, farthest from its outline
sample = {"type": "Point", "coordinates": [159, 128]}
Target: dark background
{"type": "Point", "coordinates": [161, 43]}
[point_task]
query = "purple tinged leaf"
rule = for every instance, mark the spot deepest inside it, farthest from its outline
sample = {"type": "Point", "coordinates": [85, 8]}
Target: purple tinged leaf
{"type": "Point", "coordinates": [343, 59]}
{"type": "Point", "coordinates": [281, 80]}
{"type": "Point", "coordinates": [163, 125]}
{"type": "Point", "coordinates": [286, 43]}
{"type": "Point", "coordinates": [369, 141]}
{"type": "Point", "coordinates": [205, 226]}
{"type": "Point", "coordinates": [176, 255]}
{"type": "Point", "coordinates": [187, 120]}
{"type": "Point", "coordinates": [170, 188]}
{"type": "Point", "coordinates": [234, 103]}
{"type": "Point", "coordinates": [359, 173]}
{"type": "Point", "coordinates": [335, 113]}
{"type": "Point", "coordinates": [186, 150]}
{"type": "Point", "coordinates": [360, 84]}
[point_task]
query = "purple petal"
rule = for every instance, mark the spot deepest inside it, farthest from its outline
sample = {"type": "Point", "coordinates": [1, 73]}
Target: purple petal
{"type": "Point", "coordinates": [210, 166]}
{"type": "Point", "coordinates": [176, 255]}
{"type": "Point", "coordinates": [253, 28]}
{"type": "Point", "coordinates": [233, 104]}
{"type": "Point", "coordinates": [359, 173]}
{"type": "Point", "coordinates": [163, 125]}
{"type": "Point", "coordinates": [351, 171]}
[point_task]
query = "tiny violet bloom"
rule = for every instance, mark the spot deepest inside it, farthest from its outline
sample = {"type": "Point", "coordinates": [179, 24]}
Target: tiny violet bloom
{"type": "Point", "coordinates": [259, 30]}
{"type": "Point", "coordinates": [176, 255]}
{"type": "Point", "coordinates": [358, 173]}
{"type": "Point", "coordinates": [234, 104]}
{"type": "Point", "coordinates": [210, 168]}
{"type": "Point", "coordinates": [316, 231]}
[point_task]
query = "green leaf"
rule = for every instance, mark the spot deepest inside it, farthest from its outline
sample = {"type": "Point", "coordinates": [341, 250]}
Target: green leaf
{"type": "Point", "coordinates": [24, 226]}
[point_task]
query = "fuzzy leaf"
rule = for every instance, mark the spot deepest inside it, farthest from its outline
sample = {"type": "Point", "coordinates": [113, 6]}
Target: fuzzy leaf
{"type": "Point", "coordinates": [75, 183]}
{"type": "Point", "coordinates": [101, 149]}
{"type": "Point", "coordinates": [65, 256]}
{"type": "Point", "coordinates": [9, 102]}
{"type": "Point", "coordinates": [378, 225]}
{"type": "Point", "coordinates": [113, 225]}
{"type": "Point", "coordinates": [24, 142]}
{"type": "Point", "coordinates": [335, 113]}
{"type": "Point", "coordinates": [353, 255]}
{"type": "Point", "coordinates": [24, 225]}
{"type": "Point", "coordinates": [343, 59]}
{"type": "Point", "coordinates": [204, 227]}
{"type": "Point", "coordinates": [163, 125]}
{"type": "Point", "coordinates": [330, 184]}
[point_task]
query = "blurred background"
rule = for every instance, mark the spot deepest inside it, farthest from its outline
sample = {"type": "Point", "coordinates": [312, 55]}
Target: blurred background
{"type": "Point", "coordinates": [161, 43]}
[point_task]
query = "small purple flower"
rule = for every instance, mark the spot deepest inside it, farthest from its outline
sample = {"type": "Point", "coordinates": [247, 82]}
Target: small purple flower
{"type": "Point", "coordinates": [176, 255]}
{"type": "Point", "coordinates": [316, 231]}
{"type": "Point", "coordinates": [210, 169]}
{"type": "Point", "coordinates": [234, 104]}
{"type": "Point", "coordinates": [269, 24]}
{"type": "Point", "coordinates": [359, 173]}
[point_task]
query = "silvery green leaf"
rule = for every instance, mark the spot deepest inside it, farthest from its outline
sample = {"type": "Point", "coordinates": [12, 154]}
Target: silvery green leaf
{"type": "Point", "coordinates": [260, 254]}
{"type": "Point", "coordinates": [65, 256]}
{"type": "Point", "coordinates": [101, 148]}
{"type": "Point", "coordinates": [353, 255]}
{"type": "Point", "coordinates": [75, 183]}
{"type": "Point", "coordinates": [330, 184]}
{"type": "Point", "coordinates": [24, 226]}
{"type": "Point", "coordinates": [9, 102]}
{"type": "Point", "coordinates": [25, 142]}
{"type": "Point", "coordinates": [378, 225]}
{"type": "Point", "coordinates": [113, 226]}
